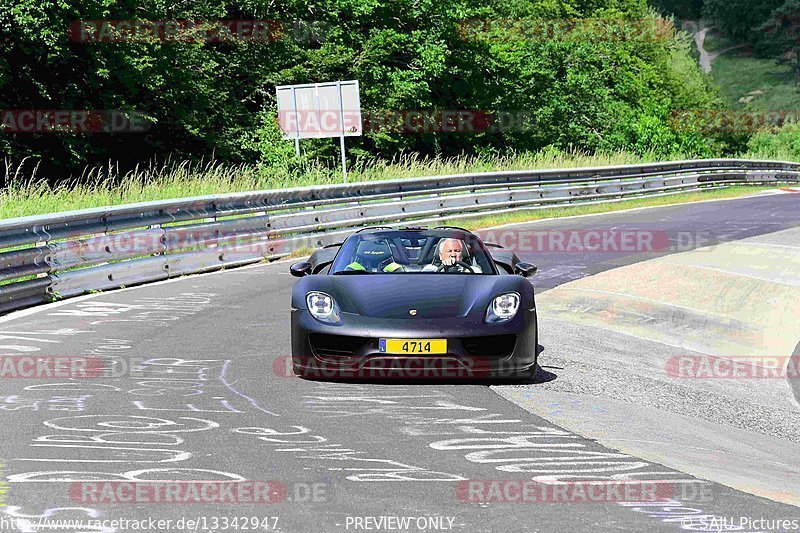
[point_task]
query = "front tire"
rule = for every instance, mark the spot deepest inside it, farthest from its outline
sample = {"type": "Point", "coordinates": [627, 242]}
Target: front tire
{"type": "Point", "coordinates": [529, 375]}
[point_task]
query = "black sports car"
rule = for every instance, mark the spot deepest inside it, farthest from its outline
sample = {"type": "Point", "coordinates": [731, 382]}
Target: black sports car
{"type": "Point", "coordinates": [413, 303]}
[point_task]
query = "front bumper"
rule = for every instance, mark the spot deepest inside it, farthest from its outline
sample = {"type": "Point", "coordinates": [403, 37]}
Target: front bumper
{"type": "Point", "coordinates": [351, 349]}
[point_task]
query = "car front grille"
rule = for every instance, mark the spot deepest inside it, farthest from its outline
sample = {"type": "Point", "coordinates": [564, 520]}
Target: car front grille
{"type": "Point", "coordinates": [336, 346]}
{"type": "Point", "coordinates": [490, 346]}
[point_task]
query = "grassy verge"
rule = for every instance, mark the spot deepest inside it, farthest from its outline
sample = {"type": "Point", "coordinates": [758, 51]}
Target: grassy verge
{"type": "Point", "coordinates": [747, 82]}
{"type": "Point", "coordinates": [103, 187]}
{"type": "Point", "coordinates": [488, 221]}
{"type": "Point", "coordinates": [755, 84]}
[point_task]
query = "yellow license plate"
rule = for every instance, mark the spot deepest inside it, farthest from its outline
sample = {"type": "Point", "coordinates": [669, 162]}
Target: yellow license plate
{"type": "Point", "coordinates": [414, 346]}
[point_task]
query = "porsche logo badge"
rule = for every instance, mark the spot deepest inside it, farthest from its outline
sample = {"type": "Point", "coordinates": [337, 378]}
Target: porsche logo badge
{"type": "Point", "coordinates": [412, 312]}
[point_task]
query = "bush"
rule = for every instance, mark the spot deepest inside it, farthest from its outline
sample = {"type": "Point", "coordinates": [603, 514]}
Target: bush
{"type": "Point", "coordinates": [783, 144]}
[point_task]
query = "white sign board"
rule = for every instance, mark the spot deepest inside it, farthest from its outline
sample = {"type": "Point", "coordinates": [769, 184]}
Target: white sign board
{"type": "Point", "coordinates": [319, 110]}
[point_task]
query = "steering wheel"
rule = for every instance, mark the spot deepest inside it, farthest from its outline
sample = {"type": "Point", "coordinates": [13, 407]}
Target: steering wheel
{"type": "Point", "coordinates": [459, 263]}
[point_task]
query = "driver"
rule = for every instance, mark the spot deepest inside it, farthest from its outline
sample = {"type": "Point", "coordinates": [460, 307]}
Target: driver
{"type": "Point", "coordinates": [451, 252]}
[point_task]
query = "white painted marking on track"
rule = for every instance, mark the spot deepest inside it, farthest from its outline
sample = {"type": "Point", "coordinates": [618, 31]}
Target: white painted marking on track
{"type": "Point", "coordinates": [638, 298]}
{"type": "Point", "coordinates": [768, 244]}
{"type": "Point", "coordinates": [740, 274]}
{"type": "Point", "coordinates": [252, 402]}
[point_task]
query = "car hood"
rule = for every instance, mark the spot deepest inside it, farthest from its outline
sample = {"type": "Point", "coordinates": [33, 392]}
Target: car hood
{"type": "Point", "coordinates": [395, 295]}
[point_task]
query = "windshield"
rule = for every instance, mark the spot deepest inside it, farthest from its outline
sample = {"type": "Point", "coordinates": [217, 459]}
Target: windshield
{"type": "Point", "coordinates": [404, 251]}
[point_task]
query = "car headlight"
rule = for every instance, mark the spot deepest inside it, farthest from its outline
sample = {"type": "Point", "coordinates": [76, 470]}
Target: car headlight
{"type": "Point", "coordinates": [322, 307]}
{"type": "Point", "coordinates": [503, 308]}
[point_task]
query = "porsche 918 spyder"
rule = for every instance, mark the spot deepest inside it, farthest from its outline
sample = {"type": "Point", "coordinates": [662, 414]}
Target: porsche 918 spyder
{"type": "Point", "coordinates": [417, 302]}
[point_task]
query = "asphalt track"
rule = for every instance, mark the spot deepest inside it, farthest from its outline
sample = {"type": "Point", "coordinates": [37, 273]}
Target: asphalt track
{"type": "Point", "coordinates": [211, 399]}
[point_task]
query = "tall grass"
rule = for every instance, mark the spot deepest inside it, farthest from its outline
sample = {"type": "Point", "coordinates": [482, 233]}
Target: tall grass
{"type": "Point", "coordinates": [27, 192]}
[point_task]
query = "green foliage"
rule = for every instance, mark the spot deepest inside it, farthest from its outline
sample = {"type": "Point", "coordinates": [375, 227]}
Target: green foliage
{"type": "Point", "coordinates": [783, 31]}
{"type": "Point", "coordinates": [739, 19]}
{"type": "Point", "coordinates": [783, 144]}
{"type": "Point", "coordinates": [770, 27]}
{"type": "Point", "coordinates": [216, 100]}
{"type": "Point", "coordinates": [683, 9]}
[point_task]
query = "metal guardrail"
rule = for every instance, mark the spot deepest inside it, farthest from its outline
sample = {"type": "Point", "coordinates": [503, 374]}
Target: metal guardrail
{"type": "Point", "coordinates": [65, 254]}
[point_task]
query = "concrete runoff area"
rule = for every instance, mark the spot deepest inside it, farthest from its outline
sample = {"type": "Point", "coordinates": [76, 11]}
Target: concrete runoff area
{"type": "Point", "coordinates": [733, 302]}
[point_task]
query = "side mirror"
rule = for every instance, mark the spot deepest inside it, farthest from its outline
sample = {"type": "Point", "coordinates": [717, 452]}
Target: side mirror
{"type": "Point", "coordinates": [525, 270]}
{"type": "Point", "coordinates": [301, 269]}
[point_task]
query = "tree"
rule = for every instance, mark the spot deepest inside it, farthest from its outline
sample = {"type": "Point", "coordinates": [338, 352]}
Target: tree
{"type": "Point", "coordinates": [683, 9]}
{"type": "Point", "coordinates": [740, 19]}
{"type": "Point", "coordinates": [783, 28]}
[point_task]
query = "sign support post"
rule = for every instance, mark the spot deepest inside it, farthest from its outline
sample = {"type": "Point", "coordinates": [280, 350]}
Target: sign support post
{"type": "Point", "coordinates": [297, 122]}
{"type": "Point", "coordinates": [341, 127]}
{"type": "Point", "coordinates": [344, 160]}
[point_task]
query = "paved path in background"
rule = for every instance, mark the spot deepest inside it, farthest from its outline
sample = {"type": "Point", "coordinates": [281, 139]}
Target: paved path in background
{"type": "Point", "coordinates": [707, 58]}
